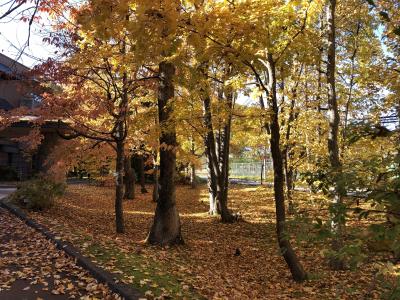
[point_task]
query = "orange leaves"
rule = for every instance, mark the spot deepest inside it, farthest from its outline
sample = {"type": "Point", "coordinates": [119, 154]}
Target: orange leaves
{"type": "Point", "coordinates": [31, 265]}
{"type": "Point", "coordinates": [209, 264]}
{"type": "Point", "coordinates": [165, 147]}
{"type": "Point", "coordinates": [31, 141]}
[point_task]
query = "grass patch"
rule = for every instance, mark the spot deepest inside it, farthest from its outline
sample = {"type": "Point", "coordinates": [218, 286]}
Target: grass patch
{"type": "Point", "coordinates": [141, 272]}
{"type": "Point", "coordinates": [315, 276]}
{"type": "Point", "coordinates": [206, 266]}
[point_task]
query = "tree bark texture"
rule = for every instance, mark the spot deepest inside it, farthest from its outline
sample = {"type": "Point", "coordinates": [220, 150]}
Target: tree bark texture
{"type": "Point", "coordinates": [119, 188]}
{"type": "Point", "coordinates": [285, 246]}
{"type": "Point", "coordinates": [193, 180]}
{"type": "Point", "coordinates": [166, 227]}
{"type": "Point", "coordinates": [142, 179]}
{"type": "Point", "coordinates": [287, 153]}
{"type": "Point", "coordinates": [333, 144]}
{"type": "Point", "coordinates": [120, 136]}
{"type": "Point", "coordinates": [211, 154]}
{"type": "Point", "coordinates": [129, 178]}
{"type": "Point", "coordinates": [225, 138]}
{"type": "Point", "coordinates": [216, 175]}
{"type": "Point", "coordinates": [193, 183]}
{"type": "Point", "coordinates": [156, 185]}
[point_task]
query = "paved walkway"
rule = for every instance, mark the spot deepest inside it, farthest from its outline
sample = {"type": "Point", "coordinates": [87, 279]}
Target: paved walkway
{"type": "Point", "coordinates": [5, 191]}
{"type": "Point", "coordinates": [32, 268]}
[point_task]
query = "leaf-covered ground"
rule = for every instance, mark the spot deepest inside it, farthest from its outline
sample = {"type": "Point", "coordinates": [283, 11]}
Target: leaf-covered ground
{"type": "Point", "coordinates": [32, 268]}
{"type": "Point", "coordinates": [206, 266]}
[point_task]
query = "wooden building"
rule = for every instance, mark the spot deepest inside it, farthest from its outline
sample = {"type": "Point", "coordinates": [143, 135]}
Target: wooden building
{"type": "Point", "coordinates": [19, 89]}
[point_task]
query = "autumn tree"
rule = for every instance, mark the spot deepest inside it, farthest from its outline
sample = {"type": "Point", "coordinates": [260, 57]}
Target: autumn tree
{"type": "Point", "coordinates": [164, 77]}
{"type": "Point", "coordinates": [166, 228]}
{"type": "Point", "coordinates": [215, 79]}
{"type": "Point", "coordinates": [157, 32]}
{"type": "Point", "coordinates": [217, 149]}
{"type": "Point", "coordinates": [333, 143]}
{"type": "Point", "coordinates": [263, 64]}
{"type": "Point", "coordinates": [98, 90]}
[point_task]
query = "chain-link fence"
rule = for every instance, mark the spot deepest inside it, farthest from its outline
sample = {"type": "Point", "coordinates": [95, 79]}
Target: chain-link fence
{"type": "Point", "coordinates": [243, 169]}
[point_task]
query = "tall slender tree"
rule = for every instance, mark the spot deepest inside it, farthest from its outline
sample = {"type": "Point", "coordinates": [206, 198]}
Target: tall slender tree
{"type": "Point", "coordinates": [333, 143]}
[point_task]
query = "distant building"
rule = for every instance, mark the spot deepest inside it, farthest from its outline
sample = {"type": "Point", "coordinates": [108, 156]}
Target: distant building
{"type": "Point", "coordinates": [19, 89]}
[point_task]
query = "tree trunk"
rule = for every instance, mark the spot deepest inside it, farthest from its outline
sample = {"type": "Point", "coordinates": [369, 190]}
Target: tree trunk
{"type": "Point", "coordinates": [142, 178]}
{"type": "Point", "coordinates": [225, 138]}
{"type": "Point", "coordinates": [287, 251]}
{"type": "Point", "coordinates": [211, 183]}
{"type": "Point", "coordinates": [166, 228]}
{"type": "Point", "coordinates": [213, 211]}
{"type": "Point", "coordinates": [398, 137]}
{"type": "Point", "coordinates": [156, 185]}
{"type": "Point", "coordinates": [287, 155]}
{"type": "Point", "coordinates": [119, 188]}
{"type": "Point", "coordinates": [217, 179]}
{"type": "Point", "coordinates": [262, 172]}
{"type": "Point", "coordinates": [217, 154]}
{"type": "Point", "coordinates": [318, 98]}
{"type": "Point", "coordinates": [265, 163]}
{"type": "Point", "coordinates": [129, 179]}
{"type": "Point", "coordinates": [351, 86]}
{"type": "Point", "coordinates": [212, 161]}
{"type": "Point", "coordinates": [193, 182]}
{"type": "Point", "coordinates": [120, 137]}
{"type": "Point", "coordinates": [333, 145]}
{"type": "Point", "coordinates": [289, 185]}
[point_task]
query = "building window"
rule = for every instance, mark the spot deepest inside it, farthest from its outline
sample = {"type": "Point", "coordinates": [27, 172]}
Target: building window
{"type": "Point", "coordinates": [10, 159]}
{"type": "Point", "coordinates": [4, 105]}
{"type": "Point", "coordinates": [31, 101]}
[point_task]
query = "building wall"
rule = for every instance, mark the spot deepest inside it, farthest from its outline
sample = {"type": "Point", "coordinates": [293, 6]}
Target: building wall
{"type": "Point", "coordinates": [18, 88]}
{"type": "Point", "coordinates": [17, 92]}
{"type": "Point", "coordinates": [3, 159]}
{"type": "Point", "coordinates": [12, 153]}
{"type": "Point", "coordinates": [14, 67]}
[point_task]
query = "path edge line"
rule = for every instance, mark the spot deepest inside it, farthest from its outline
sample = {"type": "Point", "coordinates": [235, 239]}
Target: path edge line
{"type": "Point", "coordinates": [125, 291]}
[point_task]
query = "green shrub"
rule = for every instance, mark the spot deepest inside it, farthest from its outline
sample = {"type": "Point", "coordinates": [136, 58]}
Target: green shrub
{"type": "Point", "coordinates": [8, 174]}
{"type": "Point", "coordinates": [184, 179]}
{"type": "Point", "coordinates": [200, 180]}
{"type": "Point", "coordinates": [181, 178]}
{"type": "Point", "coordinates": [38, 193]}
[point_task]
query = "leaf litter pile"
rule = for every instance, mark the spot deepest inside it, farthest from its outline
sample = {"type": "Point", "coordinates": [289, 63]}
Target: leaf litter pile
{"type": "Point", "coordinates": [218, 261]}
{"type": "Point", "coordinates": [32, 268]}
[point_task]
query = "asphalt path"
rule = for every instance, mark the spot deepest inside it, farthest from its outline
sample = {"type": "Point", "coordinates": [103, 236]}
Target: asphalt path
{"type": "Point", "coordinates": [4, 192]}
{"type": "Point", "coordinates": [32, 268]}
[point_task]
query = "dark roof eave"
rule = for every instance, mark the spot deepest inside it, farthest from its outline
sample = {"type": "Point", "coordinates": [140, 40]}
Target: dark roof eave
{"type": "Point", "coordinates": [46, 125]}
